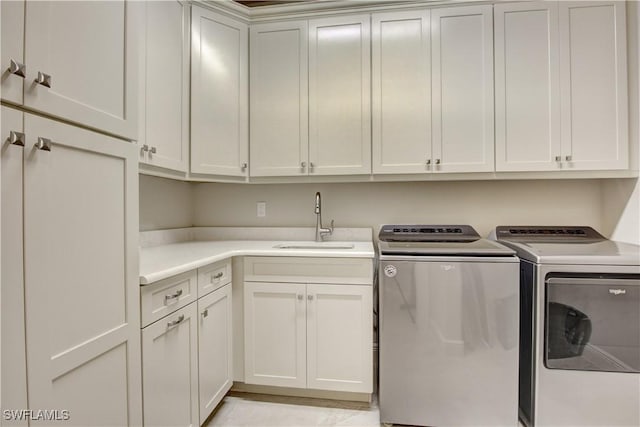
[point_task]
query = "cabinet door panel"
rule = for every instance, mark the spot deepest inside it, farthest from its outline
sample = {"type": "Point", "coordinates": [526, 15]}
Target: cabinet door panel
{"type": "Point", "coordinates": [219, 96]}
{"type": "Point", "coordinates": [593, 70]}
{"type": "Point", "coordinates": [12, 47]}
{"type": "Point", "coordinates": [170, 363]}
{"type": "Point", "coordinates": [14, 368]}
{"type": "Point", "coordinates": [279, 99]}
{"type": "Point", "coordinates": [164, 92]}
{"type": "Point", "coordinates": [339, 338]}
{"type": "Point", "coordinates": [339, 96]}
{"type": "Point", "coordinates": [215, 358]}
{"type": "Point", "coordinates": [462, 103]}
{"type": "Point", "coordinates": [275, 330]}
{"type": "Point", "coordinates": [89, 50]}
{"type": "Point", "coordinates": [401, 92]}
{"type": "Point", "coordinates": [527, 86]}
{"type": "Point", "coordinates": [81, 274]}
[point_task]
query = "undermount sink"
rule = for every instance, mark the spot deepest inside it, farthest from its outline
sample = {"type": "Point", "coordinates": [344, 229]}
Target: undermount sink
{"type": "Point", "coordinates": [314, 245]}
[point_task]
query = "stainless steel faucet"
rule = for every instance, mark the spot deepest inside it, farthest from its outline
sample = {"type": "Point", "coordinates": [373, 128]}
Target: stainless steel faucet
{"type": "Point", "coordinates": [321, 232]}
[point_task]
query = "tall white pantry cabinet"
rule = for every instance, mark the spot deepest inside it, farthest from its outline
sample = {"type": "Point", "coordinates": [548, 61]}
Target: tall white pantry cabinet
{"type": "Point", "coordinates": [70, 299]}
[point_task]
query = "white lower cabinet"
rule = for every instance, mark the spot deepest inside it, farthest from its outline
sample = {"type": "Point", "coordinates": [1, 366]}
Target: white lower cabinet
{"type": "Point", "coordinates": [215, 358]}
{"type": "Point", "coordinates": [186, 345]}
{"type": "Point", "coordinates": [170, 369]}
{"type": "Point", "coordinates": [308, 335]}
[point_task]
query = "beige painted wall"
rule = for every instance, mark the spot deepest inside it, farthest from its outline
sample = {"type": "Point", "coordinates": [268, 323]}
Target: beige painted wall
{"type": "Point", "coordinates": [483, 204]}
{"type": "Point", "coordinates": [165, 203]}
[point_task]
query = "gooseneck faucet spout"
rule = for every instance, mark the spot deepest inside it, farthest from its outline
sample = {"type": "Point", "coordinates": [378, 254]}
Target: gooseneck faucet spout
{"type": "Point", "coordinates": [320, 231]}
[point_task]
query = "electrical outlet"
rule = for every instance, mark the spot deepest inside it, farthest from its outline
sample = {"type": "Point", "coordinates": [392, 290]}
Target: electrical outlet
{"type": "Point", "coordinates": [262, 209]}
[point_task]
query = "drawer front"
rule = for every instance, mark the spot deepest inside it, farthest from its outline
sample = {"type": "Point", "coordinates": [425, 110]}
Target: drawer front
{"type": "Point", "coordinates": [213, 276]}
{"type": "Point", "coordinates": [350, 271]}
{"type": "Point", "coordinates": [166, 296]}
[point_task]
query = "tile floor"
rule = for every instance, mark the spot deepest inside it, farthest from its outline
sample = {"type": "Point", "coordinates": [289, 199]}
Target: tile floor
{"type": "Point", "coordinates": [246, 409]}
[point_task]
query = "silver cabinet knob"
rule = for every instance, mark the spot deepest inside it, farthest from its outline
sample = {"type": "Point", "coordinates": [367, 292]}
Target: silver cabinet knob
{"type": "Point", "coordinates": [175, 322]}
{"type": "Point", "coordinates": [300, 297]}
{"type": "Point", "coordinates": [310, 297]}
{"type": "Point", "coordinates": [16, 138]}
{"type": "Point", "coordinates": [244, 166]}
{"type": "Point", "coordinates": [43, 79]}
{"type": "Point", "coordinates": [311, 166]}
{"type": "Point", "coordinates": [303, 165]}
{"type": "Point", "coordinates": [17, 68]}
{"type": "Point", "coordinates": [43, 144]}
{"type": "Point", "coordinates": [153, 150]}
{"type": "Point", "coordinates": [145, 147]}
{"type": "Point", "coordinates": [205, 313]}
{"type": "Point", "coordinates": [437, 161]}
{"type": "Point", "coordinates": [428, 162]}
{"type": "Point", "coordinates": [568, 158]}
{"type": "Point", "coordinates": [558, 158]}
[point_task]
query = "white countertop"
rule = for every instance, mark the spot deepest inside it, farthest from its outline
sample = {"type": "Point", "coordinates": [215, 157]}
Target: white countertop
{"type": "Point", "coordinates": [162, 261]}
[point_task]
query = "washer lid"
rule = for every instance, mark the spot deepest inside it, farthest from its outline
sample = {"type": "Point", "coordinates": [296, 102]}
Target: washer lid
{"type": "Point", "coordinates": [479, 247]}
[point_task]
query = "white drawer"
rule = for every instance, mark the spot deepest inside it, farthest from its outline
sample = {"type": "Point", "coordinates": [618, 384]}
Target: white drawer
{"type": "Point", "coordinates": [350, 271]}
{"type": "Point", "coordinates": [213, 276]}
{"type": "Point", "coordinates": [166, 296]}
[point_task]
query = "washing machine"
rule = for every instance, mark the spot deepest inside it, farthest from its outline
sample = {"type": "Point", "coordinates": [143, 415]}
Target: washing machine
{"type": "Point", "coordinates": [579, 326]}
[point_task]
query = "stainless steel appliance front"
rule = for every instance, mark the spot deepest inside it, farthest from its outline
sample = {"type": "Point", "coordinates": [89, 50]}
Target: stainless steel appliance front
{"type": "Point", "coordinates": [449, 340]}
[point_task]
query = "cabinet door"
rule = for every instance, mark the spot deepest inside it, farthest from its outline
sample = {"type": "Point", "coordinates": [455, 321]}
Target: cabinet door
{"type": "Point", "coordinates": [462, 102]}
{"type": "Point", "coordinates": [593, 67]}
{"type": "Point", "coordinates": [274, 334]}
{"type": "Point", "coordinates": [527, 79]}
{"type": "Point", "coordinates": [215, 358]}
{"type": "Point", "coordinates": [81, 274]}
{"type": "Point", "coordinates": [164, 90]}
{"type": "Point", "coordinates": [170, 363]}
{"type": "Point", "coordinates": [14, 369]}
{"type": "Point", "coordinates": [339, 338]}
{"type": "Point", "coordinates": [339, 96]}
{"type": "Point", "coordinates": [12, 49]}
{"type": "Point", "coordinates": [219, 94]}
{"type": "Point", "coordinates": [89, 50]}
{"type": "Point", "coordinates": [401, 92]}
{"type": "Point", "coordinates": [279, 99]}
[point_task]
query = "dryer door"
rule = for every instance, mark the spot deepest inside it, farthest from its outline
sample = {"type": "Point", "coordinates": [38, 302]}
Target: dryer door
{"type": "Point", "coordinates": [591, 322]}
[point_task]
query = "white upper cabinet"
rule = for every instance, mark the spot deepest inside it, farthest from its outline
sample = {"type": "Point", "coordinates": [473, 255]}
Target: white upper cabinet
{"type": "Point", "coordinates": [164, 86]}
{"type": "Point", "coordinates": [593, 75]}
{"type": "Point", "coordinates": [339, 96]}
{"type": "Point", "coordinates": [80, 61]}
{"type": "Point", "coordinates": [462, 85]}
{"type": "Point", "coordinates": [279, 130]}
{"type": "Point", "coordinates": [527, 86]}
{"type": "Point", "coordinates": [12, 51]}
{"type": "Point", "coordinates": [401, 92]}
{"type": "Point", "coordinates": [561, 86]}
{"type": "Point", "coordinates": [219, 94]}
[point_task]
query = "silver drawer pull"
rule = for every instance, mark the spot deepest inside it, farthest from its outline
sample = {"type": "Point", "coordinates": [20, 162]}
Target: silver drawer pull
{"type": "Point", "coordinates": [217, 276]}
{"type": "Point", "coordinates": [16, 138]}
{"type": "Point", "coordinates": [43, 144]}
{"type": "Point", "coordinates": [173, 296]}
{"type": "Point", "coordinates": [18, 69]}
{"type": "Point", "coordinates": [175, 322]}
{"type": "Point", "coordinates": [205, 313]}
{"type": "Point", "coordinates": [44, 79]}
